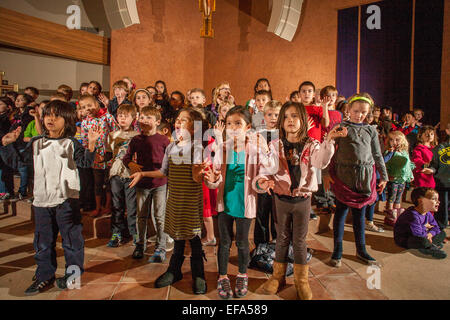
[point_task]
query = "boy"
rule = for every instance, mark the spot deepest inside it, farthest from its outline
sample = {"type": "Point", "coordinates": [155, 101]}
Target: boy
{"type": "Point", "coordinates": [418, 114]}
{"type": "Point", "coordinates": [149, 148]}
{"type": "Point", "coordinates": [264, 201]}
{"type": "Point", "coordinates": [197, 97]}
{"type": "Point", "coordinates": [258, 120]}
{"type": "Point", "coordinates": [66, 91]}
{"type": "Point", "coordinates": [416, 228]}
{"type": "Point", "coordinates": [119, 175]}
{"type": "Point", "coordinates": [34, 93]}
{"type": "Point", "coordinates": [120, 89]}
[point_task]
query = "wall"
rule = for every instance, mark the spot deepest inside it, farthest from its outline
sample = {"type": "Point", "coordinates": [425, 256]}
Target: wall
{"type": "Point", "coordinates": [166, 45]}
{"type": "Point", "coordinates": [46, 72]}
{"type": "Point", "coordinates": [242, 50]}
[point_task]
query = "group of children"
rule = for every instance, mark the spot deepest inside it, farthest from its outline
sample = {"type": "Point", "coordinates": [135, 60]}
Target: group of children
{"type": "Point", "coordinates": [147, 153]}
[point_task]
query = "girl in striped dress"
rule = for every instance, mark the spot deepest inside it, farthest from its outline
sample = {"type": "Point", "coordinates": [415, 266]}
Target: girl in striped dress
{"type": "Point", "coordinates": [184, 168]}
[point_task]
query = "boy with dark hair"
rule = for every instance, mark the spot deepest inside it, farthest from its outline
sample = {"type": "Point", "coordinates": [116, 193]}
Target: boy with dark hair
{"type": "Point", "coordinates": [33, 92]}
{"type": "Point", "coordinates": [119, 175]}
{"type": "Point", "coordinates": [149, 148]}
{"type": "Point", "coordinates": [416, 228]}
{"type": "Point", "coordinates": [261, 98]}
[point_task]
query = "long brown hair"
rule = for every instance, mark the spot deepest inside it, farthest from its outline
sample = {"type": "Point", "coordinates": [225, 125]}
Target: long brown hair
{"type": "Point", "coordinates": [303, 132]}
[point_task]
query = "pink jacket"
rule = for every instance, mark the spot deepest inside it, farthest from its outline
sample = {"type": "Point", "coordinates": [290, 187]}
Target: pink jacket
{"type": "Point", "coordinates": [255, 158]}
{"type": "Point", "coordinates": [422, 155]}
{"type": "Point", "coordinates": [314, 155]}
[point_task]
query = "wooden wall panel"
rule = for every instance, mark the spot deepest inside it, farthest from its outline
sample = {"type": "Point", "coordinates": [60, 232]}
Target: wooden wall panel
{"type": "Point", "coordinates": [22, 31]}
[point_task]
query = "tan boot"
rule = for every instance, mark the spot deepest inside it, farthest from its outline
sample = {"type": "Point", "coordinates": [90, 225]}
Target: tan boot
{"type": "Point", "coordinates": [302, 282]}
{"type": "Point", "coordinates": [276, 281]}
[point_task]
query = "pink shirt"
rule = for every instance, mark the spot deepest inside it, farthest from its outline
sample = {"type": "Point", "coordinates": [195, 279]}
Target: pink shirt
{"type": "Point", "coordinates": [421, 156]}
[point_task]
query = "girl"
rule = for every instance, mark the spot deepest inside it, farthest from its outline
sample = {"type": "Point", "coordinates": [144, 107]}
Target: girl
{"type": "Point", "coordinates": [6, 173]}
{"type": "Point", "coordinates": [161, 91]}
{"type": "Point", "coordinates": [142, 98]}
{"type": "Point", "coordinates": [183, 166]}
{"type": "Point", "coordinates": [399, 169]}
{"type": "Point", "coordinates": [55, 155]}
{"type": "Point", "coordinates": [107, 123]}
{"type": "Point", "coordinates": [353, 173]}
{"type": "Point", "coordinates": [422, 155]}
{"type": "Point", "coordinates": [130, 83]}
{"type": "Point", "coordinates": [292, 182]}
{"type": "Point", "coordinates": [235, 165]}
{"type": "Point", "coordinates": [95, 90]}
{"type": "Point", "coordinates": [162, 101]}
{"type": "Point", "coordinates": [261, 84]}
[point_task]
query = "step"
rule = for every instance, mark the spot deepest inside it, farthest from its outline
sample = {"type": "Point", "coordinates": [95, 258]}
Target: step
{"type": "Point", "coordinates": [20, 208]}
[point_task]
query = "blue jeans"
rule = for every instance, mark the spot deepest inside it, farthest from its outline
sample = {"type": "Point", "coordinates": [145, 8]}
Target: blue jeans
{"type": "Point", "coordinates": [23, 172]}
{"type": "Point", "coordinates": [358, 228]}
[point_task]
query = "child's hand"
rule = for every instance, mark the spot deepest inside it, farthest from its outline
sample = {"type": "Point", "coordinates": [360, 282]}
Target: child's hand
{"type": "Point", "coordinates": [266, 184]}
{"type": "Point", "coordinates": [325, 102]}
{"type": "Point", "coordinates": [327, 181]}
{"type": "Point", "coordinates": [34, 112]}
{"type": "Point", "coordinates": [99, 158]}
{"type": "Point", "coordinates": [427, 171]}
{"type": "Point", "coordinates": [103, 99]}
{"type": "Point", "coordinates": [212, 175]}
{"type": "Point", "coordinates": [337, 132]}
{"type": "Point", "coordinates": [134, 167]}
{"type": "Point", "coordinates": [12, 136]}
{"type": "Point", "coordinates": [219, 128]}
{"type": "Point", "coordinates": [428, 226]}
{"type": "Point", "coordinates": [137, 176]}
{"type": "Point", "coordinates": [94, 133]}
{"type": "Point", "coordinates": [381, 186]}
{"type": "Point", "coordinates": [430, 237]}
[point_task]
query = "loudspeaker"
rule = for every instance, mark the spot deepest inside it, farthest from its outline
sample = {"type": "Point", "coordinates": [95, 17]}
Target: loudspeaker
{"type": "Point", "coordinates": [121, 13]}
{"type": "Point", "coordinates": [285, 17]}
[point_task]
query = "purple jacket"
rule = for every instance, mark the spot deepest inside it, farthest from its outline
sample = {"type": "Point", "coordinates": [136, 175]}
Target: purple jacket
{"type": "Point", "coordinates": [412, 223]}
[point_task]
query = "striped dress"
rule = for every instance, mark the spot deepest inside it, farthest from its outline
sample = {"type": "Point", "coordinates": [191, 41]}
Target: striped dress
{"type": "Point", "coordinates": [184, 209]}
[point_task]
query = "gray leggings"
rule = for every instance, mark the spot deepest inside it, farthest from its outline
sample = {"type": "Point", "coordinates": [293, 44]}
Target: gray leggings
{"type": "Point", "coordinates": [292, 221]}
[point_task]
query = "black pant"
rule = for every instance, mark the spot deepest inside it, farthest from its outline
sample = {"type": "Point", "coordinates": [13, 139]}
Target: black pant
{"type": "Point", "coordinates": [66, 219]}
{"type": "Point", "coordinates": [264, 215]}
{"type": "Point", "coordinates": [87, 198]}
{"type": "Point", "coordinates": [441, 215]}
{"type": "Point", "coordinates": [324, 199]}
{"type": "Point", "coordinates": [123, 195]}
{"type": "Point", "coordinates": [423, 243]}
{"type": "Point", "coordinates": [226, 233]}
{"type": "Point", "coordinates": [101, 179]}
{"type": "Point", "coordinates": [177, 258]}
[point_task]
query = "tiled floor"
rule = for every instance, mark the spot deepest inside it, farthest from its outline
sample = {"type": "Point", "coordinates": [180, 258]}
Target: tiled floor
{"type": "Point", "coordinates": [110, 273]}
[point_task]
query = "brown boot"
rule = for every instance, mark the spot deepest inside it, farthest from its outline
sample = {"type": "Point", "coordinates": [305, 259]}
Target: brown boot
{"type": "Point", "coordinates": [276, 281]}
{"type": "Point", "coordinates": [302, 282]}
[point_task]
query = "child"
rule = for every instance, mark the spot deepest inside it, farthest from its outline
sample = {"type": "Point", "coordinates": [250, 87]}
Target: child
{"type": "Point", "coordinates": [149, 148]}
{"type": "Point", "coordinates": [95, 89]}
{"type": "Point", "coordinates": [164, 130]}
{"type": "Point", "coordinates": [223, 109]}
{"type": "Point", "coordinates": [293, 182]}
{"type": "Point", "coordinates": [261, 84]}
{"type": "Point", "coordinates": [119, 175]}
{"type": "Point", "coordinates": [33, 93]}
{"type": "Point", "coordinates": [183, 166]}
{"type": "Point", "coordinates": [440, 164]}
{"type": "Point", "coordinates": [121, 91]}
{"type": "Point", "coordinates": [235, 165]}
{"type": "Point", "coordinates": [56, 156]}
{"type": "Point", "coordinates": [418, 115]}
{"type": "Point", "coordinates": [130, 84]}
{"type": "Point", "coordinates": [177, 100]}
{"type": "Point", "coordinates": [101, 165]}
{"type": "Point", "coordinates": [261, 98]}
{"type": "Point", "coordinates": [66, 91]}
{"type": "Point", "coordinates": [83, 88]}
{"type": "Point", "coordinates": [416, 228]}
{"type": "Point", "coordinates": [142, 98]}
{"type": "Point", "coordinates": [399, 169]}
{"type": "Point", "coordinates": [353, 173]}
{"type": "Point", "coordinates": [197, 98]}
{"type": "Point", "coordinates": [6, 173]}
{"type": "Point", "coordinates": [422, 155]}
{"type": "Point", "coordinates": [264, 212]}
{"type": "Point", "coordinates": [34, 128]}
{"type": "Point", "coordinates": [295, 97]}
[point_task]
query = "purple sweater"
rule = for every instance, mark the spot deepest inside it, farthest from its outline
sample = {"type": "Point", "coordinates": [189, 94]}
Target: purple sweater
{"type": "Point", "coordinates": [150, 152]}
{"type": "Point", "coordinates": [412, 223]}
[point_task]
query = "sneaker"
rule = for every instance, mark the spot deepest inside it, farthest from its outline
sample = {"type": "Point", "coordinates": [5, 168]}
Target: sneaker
{"type": "Point", "coordinates": [210, 243]}
{"type": "Point", "coordinates": [309, 254]}
{"type": "Point", "coordinates": [152, 239]}
{"type": "Point", "coordinates": [374, 228]}
{"type": "Point", "coordinates": [30, 200]}
{"type": "Point", "coordinates": [224, 288]}
{"type": "Point", "coordinates": [435, 252]}
{"type": "Point", "coordinates": [337, 263]}
{"type": "Point", "coordinates": [169, 245]}
{"type": "Point", "coordinates": [63, 283]}
{"type": "Point", "coordinates": [135, 239]}
{"type": "Point", "coordinates": [241, 288]}
{"type": "Point", "coordinates": [158, 256]}
{"type": "Point", "coordinates": [365, 257]}
{"type": "Point", "coordinates": [21, 196]}
{"type": "Point", "coordinates": [5, 196]}
{"type": "Point", "coordinates": [39, 286]}
{"type": "Point", "coordinates": [116, 239]}
{"type": "Point", "coordinates": [138, 251]}
{"type": "Point", "coordinates": [313, 216]}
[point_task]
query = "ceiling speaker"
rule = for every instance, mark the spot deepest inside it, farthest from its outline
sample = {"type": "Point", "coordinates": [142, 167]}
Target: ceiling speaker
{"type": "Point", "coordinates": [121, 13]}
{"type": "Point", "coordinates": [285, 17]}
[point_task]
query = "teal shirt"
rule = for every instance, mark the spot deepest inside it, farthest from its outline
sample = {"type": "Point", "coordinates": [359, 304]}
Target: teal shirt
{"type": "Point", "coordinates": [234, 191]}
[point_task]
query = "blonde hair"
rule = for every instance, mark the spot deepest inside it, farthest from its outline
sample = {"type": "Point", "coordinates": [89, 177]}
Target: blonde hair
{"type": "Point", "coordinates": [121, 84]}
{"type": "Point", "coordinates": [272, 104]}
{"type": "Point", "coordinates": [404, 145]}
{"type": "Point", "coordinates": [216, 91]}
